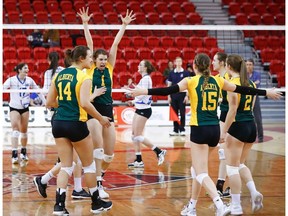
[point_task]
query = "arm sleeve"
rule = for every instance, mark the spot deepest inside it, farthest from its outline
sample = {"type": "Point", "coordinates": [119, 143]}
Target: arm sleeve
{"type": "Point", "coordinates": [164, 91]}
{"type": "Point", "coordinates": [249, 91]}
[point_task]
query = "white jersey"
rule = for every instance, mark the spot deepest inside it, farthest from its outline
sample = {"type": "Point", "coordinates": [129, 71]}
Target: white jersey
{"type": "Point", "coordinates": [48, 77]}
{"type": "Point", "coordinates": [144, 101]}
{"type": "Point", "coordinates": [20, 100]}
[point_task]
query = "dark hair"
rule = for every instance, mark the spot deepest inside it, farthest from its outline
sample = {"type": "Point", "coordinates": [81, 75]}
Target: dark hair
{"type": "Point", "coordinates": [19, 67]}
{"type": "Point", "coordinates": [75, 54]}
{"type": "Point", "coordinates": [238, 65]}
{"type": "Point", "coordinates": [99, 52]}
{"type": "Point", "coordinates": [203, 62]}
{"type": "Point", "coordinates": [250, 60]}
{"type": "Point", "coordinates": [221, 57]}
{"type": "Point", "coordinates": [54, 58]}
{"type": "Point", "coordinates": [149, 66]}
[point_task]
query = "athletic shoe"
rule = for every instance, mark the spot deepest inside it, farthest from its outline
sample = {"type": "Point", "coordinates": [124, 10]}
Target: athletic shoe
{"type": "Point", "coordinates": [182, 133]}
{"type": "Point", "coordinates": [236, 209]}
{"type": "Point", "coordinates": [256, 201]}
{"type": "Point", "coordinates": [136, 164]}
{"type": "Point", "coordinates": [102, 193]}
{"type": "Point", "coordinates": [188, 211]}
{"type": "Point", "coordinates": [161, 157]}
{"type": "Point", "coordinates": [15, 160]}
{"type": "Point", "coordinates": [227, 193]}
{"type": "Point", "coordinates": [80, 195]}
{"type": "Point", "coordinates": [23, 154]}
{"type": "Point", "coordinates": [41, 188]}
{"type": "Point", "coordinates": [98, 205]}
{"type": "Point", "coordinates": [173, 133]}
{"type": "Point", "coordinates": [225, 210]}
{"type": "Point", "coordinates": [59, 207]}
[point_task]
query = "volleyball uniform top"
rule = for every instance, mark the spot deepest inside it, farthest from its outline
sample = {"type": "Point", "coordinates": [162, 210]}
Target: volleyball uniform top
{"type": "Point", "coordinates": [224, 103]}
{"type": "Point", "coordinates": [144, 101]}
{"type": "Point", "coordinates": [68, 83]}
{"type": "Point", "coordinates": [204, 106]}
{"type": "Point", "coordinates": [101, 79]}
{"type": "Point", "coordinates": [48, 77]}
{"type": "Point", "coordinates": [245, 107]}
{"type": "Point", "coordinates": [19, 100]}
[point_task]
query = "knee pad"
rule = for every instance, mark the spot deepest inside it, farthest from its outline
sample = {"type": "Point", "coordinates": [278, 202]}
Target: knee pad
{"type": "Point", "coordinates": [201, 177]}
{"type": "Point", "coordinates": [98, 153]}
{"type": "Point", "coordinates": [23, 135]}
{"type": "Point", "coordinates": [90, 169]}
{"type": "Point", "coordinates": [108, 158]}
{"type": "Point", "coordinates": [242, 166]}
{"type": "Point", "coordinates": [193, 173]}
{"type": "Point", "coordinates": [232, 170]}
{"type": "Point", "coordinates": [68, 170]}
{"type": "Point", "coordinates": [138, 138]}
{"type": "Point", "coordinates": [221, 154]}
{"type": "Point", "coordinates": [15, 133]}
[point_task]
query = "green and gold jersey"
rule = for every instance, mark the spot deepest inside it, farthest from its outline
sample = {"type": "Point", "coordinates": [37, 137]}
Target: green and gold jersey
{"type": "Point", "coordinates": [100, 79]}
{"type": "Point", "coordinates": [204, 104]}
{"type": "Point", "coordinates": [224, 103]}
{"type": "Point", "coordinates": [245, 107]}
{"type": "Point", "coordinates": [68, 83]}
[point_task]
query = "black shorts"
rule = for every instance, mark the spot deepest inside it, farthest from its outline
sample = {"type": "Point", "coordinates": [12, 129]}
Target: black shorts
{"type": "Point", "coordinates": [72, 130]}
{"type": "Point", "coordinates": [243, 131]}
{"type": "Point", "coordinates": [104, 110]}
{"type": "Point", "coordinates": [208, 134]}
{"type": "Point", "coordinates": [223, 115]}
{"type": "Point", "coordinates": [20, 111]}
{"type": "Point", "coordinates": [144, 112]}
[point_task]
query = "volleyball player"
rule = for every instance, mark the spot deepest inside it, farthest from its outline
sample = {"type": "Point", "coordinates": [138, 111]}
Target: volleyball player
{"type": "Point", "coordinates": [240, 132]}
{"type": "Point", "coordinates": [141, 115]}
{"type": "Point", "coordinates": [70, 94]}
{"type": "Point", "coordinates": [101, 73]}
{"type": "Point", "coordinates": [204, 91]}
{"type": "Point", "coordinates": [219, 62]}
{"type": "Point", "coordinates": [19, 109]}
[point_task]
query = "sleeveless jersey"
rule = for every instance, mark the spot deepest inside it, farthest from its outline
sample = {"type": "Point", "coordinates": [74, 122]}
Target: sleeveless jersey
{"type": "Point", "coordinates": [100, 79]}
{"type": "Point", "coordinates": [224, 104]}
{"type": "Point", "coordinates": [19, 100]}
{"type": "Point", "coordinates": [144, 101]}
{"type": "Point", "coordinates": [68, 83]}
{"type": "Point", "coordinates": [204, 106]}
{"type": "Point", "coordinates": [245, 109]}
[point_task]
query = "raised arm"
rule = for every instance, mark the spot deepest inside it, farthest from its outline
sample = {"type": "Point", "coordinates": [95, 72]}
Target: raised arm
{"type": "Point", "coordinates": [85, 19]}
{"type": "Point", "coordinates": [130, 16]}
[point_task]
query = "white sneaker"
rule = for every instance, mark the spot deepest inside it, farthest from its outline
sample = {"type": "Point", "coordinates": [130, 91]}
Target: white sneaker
{"type": "Point", "coordinates": [102, 193]}
{"type": "Point", "coordinates": [15, 160]}
{"type": "Point", "coordinates": [182, 133]}
{"type": "Point", "coordinates": [24, 157]}
{"type": "Point", "coordinates": [188, 211]}
{"type": "Point", "coordinates": [236, 209]}
{"type": "Point", "coordinates": [161, 157]}
{"type": "Point", "coordinates": [225, 210]}
{"type": "Point", "coordinates": [136, 164]}
{"type": "Point", "coordinates": [173, 133]}
{"type": "Point", "coordinates": [256, 202]}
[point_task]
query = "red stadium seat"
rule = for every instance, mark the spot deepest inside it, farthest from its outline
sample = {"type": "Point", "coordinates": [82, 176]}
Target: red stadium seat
{"type": "Point", "coordinates": [112, 18]}
{"type": "Point", "coordinates": [157, 78]}
{"type": "Point", "coordinates": [180, 18]}
{"type": "Point", "coordinates": [108, 41]}
{"type": "Point", "coordinates": [81, 41]}
{"type": "Point", "coordinates": [210, 42]}
{"type": "Point", "coordinates": [144, 53]}
{"type": "Point", "coordinates": [52, 6]}
{"type": "Point", "coordinates": [280, 54]}
{"type": "Point", "coordinates": [241, 19]}
{"type": "Point", "coordinates": [7, 40]}
{"type": "Point", "coordinates": [125, 42]}
{"type": "Point", "coordinates": [273, 8]}
{"type": "Point", "coordinates": [268, 19]}
{"type": "Point", "coordinates": [123, 77]}
{"type": "Point", "coordinates": [120, 65]}
{"type": "Point", "coordinates": [140, 18]}
{"type": "Point", "coordinates": [195, 42]}
{"type": "Point", "coordinates": [10, 5]}
{"type": "Point", "coordinates": [276, 66]}
{"type": "Point", "coordinates": [129, 53]}
{"type": "Point", "coordinates": [260, 42]}
{"type": "Point", "coordinates": [162, 64]}
{"type": "Point", "coordinates": [120, 6]}
{"type": "Point", "coordinates": [39, 53]}
{"type": "Point", "coordinates": [41, 65]}
{"type": "Point", "coordinates": [173, 52]}
{"type": "Point", "coordinates": [247, 8]}
{"type": "Point", "coordinates": [38, 6]}
{"type": "Point", "coordinates": [254, 19]}
{"type": "Point", "coordinates": [194, 18]}
{"type": "Point", "coordinates": [21, 40]}
{"type": "Point", "coordinates": [161, 7]}
{"type": "Point", "coordinates": [280, 19]}
{"type": "Point", "coordinates": [138, 41]}
{"type": "Point", "coordinates": [274, 42]}
{"type": "Point", "coordinates": [153, 18]}
{"type": "Point", "coordinates": [159, 33]}
{"type": "Point", "coordinates": [267, 55]}
{"type": "Point", "coordinates": [136, 77]}
{"type": "Point", "coordinates": [234, 8]}
{"type": "Point", "coordinates": [174, 7]}
{"type": "Point", "coordinates": [153, 41]}
{"type": "Point", "coordinates": [70, 17]}
{"type": "Point", "coordinates": [188, 53]}
{"type": "Point", "coordinates": [98, 17]}
{"type": "Point", "coordinates": [260, 8]}
{"type": "Point", "coordinates": [281, 79]}
{"type": "Point", "coordinates": [66, 41]}
{"type": "Point", "coordinates": [9, 53]}
{"type": "Point", "coordinates": [166, 41]}
{"type": "Point", "coordinates": [181, 41]}
{"type": "Point", "coordinates": [93, 6]}
{"type": "Point", "coordinates": [107, 6]}
{"type": "Point", "coordinates": [24, 53]}
{"type": "Point", "coordinates": [147, 7]}
{"type": "Point", "coordinates": [66, 6]}
{"type": "Point", "coordinates": [28, 17]}
{"type": "Point", "coordinates": [145, 33]}
{"type": "Point", "coordinates": [203, 50]}
{"type": "Point", "coordinates": [9, 65]}
{"type": "Point", "coordinates": [133, 64]}
{"type": "Point", "coordinates": [187, 7]}
{"type": "Point", "coordinates": [167, 18]}
{"type": "Point", "coordinates": [135, 6]}
{"type": "Point", "coordinates": [25, 6]}
{"type": "Point", "coordinates": [56, 17]}
{"type": "Point", "coordinates": [42, 17]}
{"type": "Point", "coordinates": [79, 5]}
{"type": "Point", "coordinates": [97, 41]}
